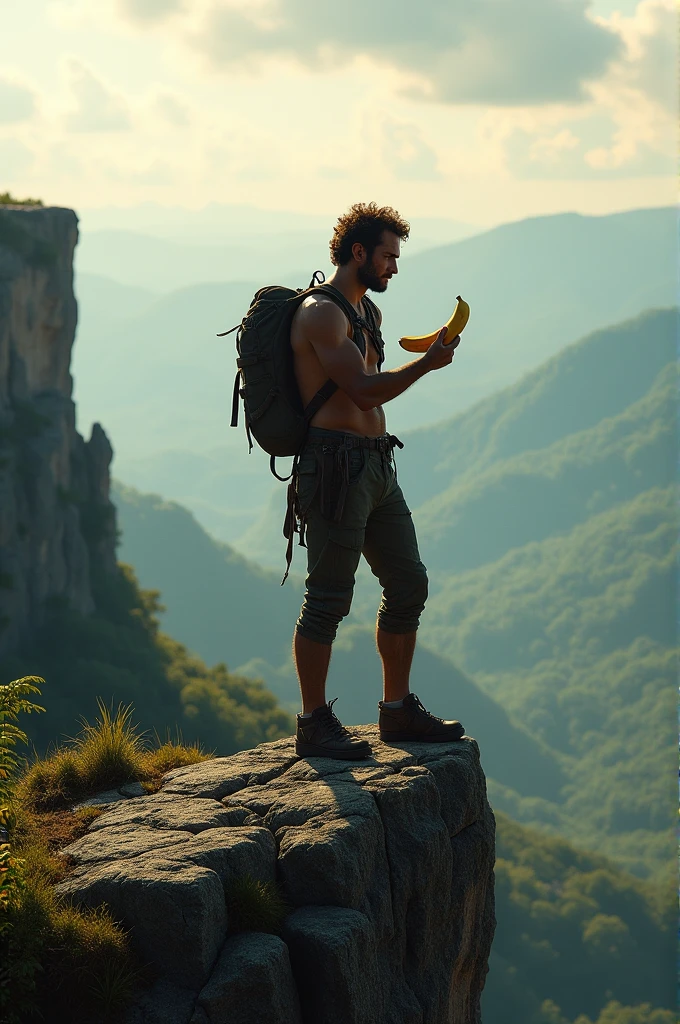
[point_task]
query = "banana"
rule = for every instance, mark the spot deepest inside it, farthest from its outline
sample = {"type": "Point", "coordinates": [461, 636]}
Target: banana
{"type": "Point", "coordinates": [459, 318]}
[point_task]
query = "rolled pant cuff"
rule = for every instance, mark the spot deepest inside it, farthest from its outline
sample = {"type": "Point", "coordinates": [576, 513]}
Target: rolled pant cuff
{"type": "Point", "coordinates": [399, 627]}
{"type": "Point", "coordinates": [311, 634]}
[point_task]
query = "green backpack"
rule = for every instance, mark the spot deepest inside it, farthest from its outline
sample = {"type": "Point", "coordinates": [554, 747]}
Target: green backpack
{"type": "Point", "coordinates": [265, 378]}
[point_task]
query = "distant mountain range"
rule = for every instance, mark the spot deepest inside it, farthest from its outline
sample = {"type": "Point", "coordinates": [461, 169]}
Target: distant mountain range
{"type": "Point", "coordinates": [163, 248]}
{"type": "Point", "coordinates": [160, 380]}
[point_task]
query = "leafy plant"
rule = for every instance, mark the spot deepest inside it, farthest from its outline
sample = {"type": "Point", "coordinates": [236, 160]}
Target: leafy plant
{"type": "Point", "coordinates": [14, 701]}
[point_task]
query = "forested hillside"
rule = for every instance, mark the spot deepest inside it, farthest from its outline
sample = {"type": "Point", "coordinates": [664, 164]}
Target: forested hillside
{"type": "Point", "coordinates": [576, 936]}
{"type": "Point", "coordinates": [540, 493]}
{"type": "Point", "coordinates": [595, 378]}
{"type": "Point", "coordinates": [576, 637]}
{"type": "Point", "coordinates": [118, 654]}
{"type": "Point", "coordinates": [218, 603]}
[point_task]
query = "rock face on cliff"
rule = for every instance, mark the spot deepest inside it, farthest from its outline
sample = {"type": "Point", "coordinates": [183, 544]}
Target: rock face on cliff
{"type": "Point", "coordinates": [387, 865]}
{"type": "Point", "coordinates": [55, 513]}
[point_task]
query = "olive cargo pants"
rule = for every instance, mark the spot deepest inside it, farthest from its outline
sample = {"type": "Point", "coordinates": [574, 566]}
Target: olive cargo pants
{"type": "Point", "coordinates": [374, 520]}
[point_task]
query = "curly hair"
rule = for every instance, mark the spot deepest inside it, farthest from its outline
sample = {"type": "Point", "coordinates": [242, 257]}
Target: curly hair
{"type": "Point", "coordinates": [365, 223]}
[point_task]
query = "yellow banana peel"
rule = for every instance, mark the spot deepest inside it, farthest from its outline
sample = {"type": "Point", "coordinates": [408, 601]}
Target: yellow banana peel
{"type": "Point", "coordinates": [422, 342]}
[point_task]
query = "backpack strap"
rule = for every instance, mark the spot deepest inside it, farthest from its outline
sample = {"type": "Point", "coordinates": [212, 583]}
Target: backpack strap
{"type": "Point", "coordinates": [356, 320]}
{"type": "Point", "coordinates": [374, 329]}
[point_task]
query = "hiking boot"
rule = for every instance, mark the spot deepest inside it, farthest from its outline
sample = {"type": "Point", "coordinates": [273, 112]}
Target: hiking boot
{"type": "Point", "coordinates": [323, 735]}
{"type": "Point", "coordinates": [413, 722]}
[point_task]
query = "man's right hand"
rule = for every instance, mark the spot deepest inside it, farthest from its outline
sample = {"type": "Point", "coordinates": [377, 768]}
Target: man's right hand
{"type": "Point", "coordinates": [439, 354]}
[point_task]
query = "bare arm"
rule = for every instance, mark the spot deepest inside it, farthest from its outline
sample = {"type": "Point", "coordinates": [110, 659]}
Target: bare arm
{"type": "Point", "coordinates": [326, 328]}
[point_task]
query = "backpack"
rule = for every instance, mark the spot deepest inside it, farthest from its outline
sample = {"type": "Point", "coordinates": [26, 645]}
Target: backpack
{"type": "Point", "coordinates": [265, 378]}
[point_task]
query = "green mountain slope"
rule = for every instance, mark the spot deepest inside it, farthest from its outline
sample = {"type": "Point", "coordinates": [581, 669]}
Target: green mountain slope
{"type": "Point", "coordinates": [117, 654]}
{"type": "Point", "coordinates": [576, 932]}
{"type": "Point", "coordinates": [593, 379]}
{"type": "Point", "coordinates": [576, 636]}
{"type": "Point", "coordinates": [541, 493]}
{"type": "Point", "coordinates": [219, 604]}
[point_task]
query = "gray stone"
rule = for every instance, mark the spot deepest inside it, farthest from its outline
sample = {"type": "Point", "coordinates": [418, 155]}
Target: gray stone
{"type": "Point", "coordinates": [333, 956]}
{"type": "Point", "coordinates": [132, 789]}
{"type": "Point", "coordinates": [251, 983]}
{"type": "Point", "coordinates": [167, 811]}
{"type": "Point", "coordinates": [175, 911]}
{"type": "Point", "coordinates": [121, 841]}
{"type": "Point", "coordinates": [231, 853]}
{"type": "Point", "coordinates": [163, 1003]}
{"type": "Point", "coordinates": [109, 796]}
{"type": "Point", "coordinates": [49, 476]}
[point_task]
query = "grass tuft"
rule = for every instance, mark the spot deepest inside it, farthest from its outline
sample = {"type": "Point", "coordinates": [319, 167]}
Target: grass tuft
{"type": "Point", "coordinates": [104, 756]}
{"type": "Point", "coordinates": [88, 962]}
{"type": "Point", "coordinates": [254, 906]}
{"type": "Point", "coordinates": [110, 752]}
{"type": "Point", "coordinates": [172, 754]}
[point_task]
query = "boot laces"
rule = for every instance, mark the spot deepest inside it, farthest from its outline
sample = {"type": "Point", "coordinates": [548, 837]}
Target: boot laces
{"type": "Point", "coordinates": [331, 721]}
{"type": "Point", "coordinates": [429, 714]}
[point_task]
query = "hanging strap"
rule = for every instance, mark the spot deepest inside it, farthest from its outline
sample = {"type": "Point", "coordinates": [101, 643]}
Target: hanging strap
{"type": "Point", "coordinates": [234, 399]}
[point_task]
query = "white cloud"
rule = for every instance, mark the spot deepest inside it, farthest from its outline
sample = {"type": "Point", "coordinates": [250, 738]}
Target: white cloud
{"type": "Point", "coordinates": [15, 159]}
{"type": "Point", "coordinates": [149, 12]}
{"type": "Point", "coordinates": [98, 108]}
{"type": "Point", "coordinates": [650, 61]}
{"type": "Point", "coordinates": [403, 150]}
{"type": "Point", "coordinates": [17, 101]}
{"type": "Point", "coordinates": [488, 51]}
{"type": "Point", "coordinates": [172, 109]}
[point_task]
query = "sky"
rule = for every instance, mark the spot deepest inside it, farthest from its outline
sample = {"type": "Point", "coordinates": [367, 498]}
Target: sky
{"type": "Point", "coordinates": [477, 110]}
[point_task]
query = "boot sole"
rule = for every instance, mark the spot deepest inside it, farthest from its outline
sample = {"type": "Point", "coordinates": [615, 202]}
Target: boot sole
{"type": "Point", "coordinates": [315, 750]}
{"type": "Point", "coordinates": [405, 737]}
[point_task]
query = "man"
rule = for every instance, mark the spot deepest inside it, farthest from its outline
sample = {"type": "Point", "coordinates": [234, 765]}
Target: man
{"type": "Point", "coordinates": [348, 497]}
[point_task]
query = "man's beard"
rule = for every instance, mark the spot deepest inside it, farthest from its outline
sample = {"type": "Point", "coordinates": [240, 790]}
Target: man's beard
{"type": "Point", "coordinates": [370, 278]}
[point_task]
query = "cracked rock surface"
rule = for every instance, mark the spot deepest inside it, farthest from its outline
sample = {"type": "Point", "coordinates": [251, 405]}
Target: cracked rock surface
{"type": "Point", "coordinates": [386, 863]}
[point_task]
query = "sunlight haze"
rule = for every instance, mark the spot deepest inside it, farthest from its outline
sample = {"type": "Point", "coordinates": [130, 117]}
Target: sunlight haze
{"type": "Point", "coordinates": [481, 114]}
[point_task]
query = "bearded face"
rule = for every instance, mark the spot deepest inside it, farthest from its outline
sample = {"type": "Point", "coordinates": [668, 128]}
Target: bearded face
{"type": "Point", "coordinates": [371, 278]}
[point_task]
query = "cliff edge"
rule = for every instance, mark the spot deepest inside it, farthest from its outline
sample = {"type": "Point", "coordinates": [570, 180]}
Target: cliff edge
{"type": "Point", "coordinates": [56, 519]}
{"type": "Point", "coordinates": [387, 865]}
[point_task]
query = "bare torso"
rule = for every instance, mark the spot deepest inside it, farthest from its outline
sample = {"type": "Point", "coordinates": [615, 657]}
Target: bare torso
{"type": "Point", "coordinates": [339, 412]}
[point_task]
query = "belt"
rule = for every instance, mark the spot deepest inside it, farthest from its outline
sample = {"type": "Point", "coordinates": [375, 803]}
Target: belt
{"type": "Point", "coordinates": [332, 440]}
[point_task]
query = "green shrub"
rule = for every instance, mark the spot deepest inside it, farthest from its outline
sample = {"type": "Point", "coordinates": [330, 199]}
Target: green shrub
{"type": "Point", "coordinates": [7, 199]}
{"type": "Point", "coordinates": [644, 1013]}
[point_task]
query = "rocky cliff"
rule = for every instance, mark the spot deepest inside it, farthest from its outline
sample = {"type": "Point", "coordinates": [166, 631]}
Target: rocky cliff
{"type": "Point", "coordinates": [386, 864]}
{"type": "Point", "coordinates": [56, 519]}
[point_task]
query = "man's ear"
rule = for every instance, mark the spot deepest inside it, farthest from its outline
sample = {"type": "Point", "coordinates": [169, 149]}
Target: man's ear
{"type": "Point", "coordinates": [359, 252]}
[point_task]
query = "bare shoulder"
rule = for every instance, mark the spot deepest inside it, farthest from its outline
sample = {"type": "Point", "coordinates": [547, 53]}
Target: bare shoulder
{"type": "Point", "coordinates": [320, 317]}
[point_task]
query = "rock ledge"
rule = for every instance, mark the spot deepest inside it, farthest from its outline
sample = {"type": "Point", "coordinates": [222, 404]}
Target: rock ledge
{"type": "Point", "coordinates": [388, 864]}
